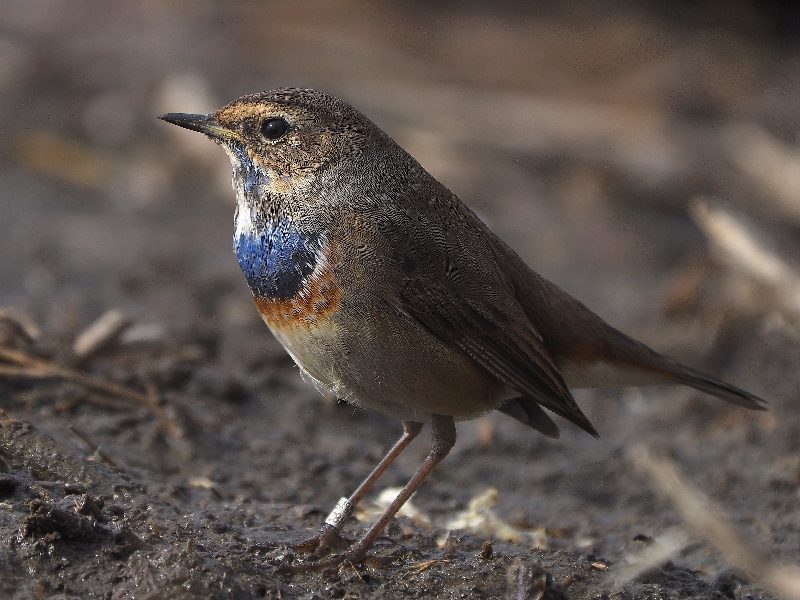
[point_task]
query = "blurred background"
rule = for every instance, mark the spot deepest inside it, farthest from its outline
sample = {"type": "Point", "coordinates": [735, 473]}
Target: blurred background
{"type": "Point", "coordinates": [580, 131]}
{"type": "Point", "coordinates": [644, 157]}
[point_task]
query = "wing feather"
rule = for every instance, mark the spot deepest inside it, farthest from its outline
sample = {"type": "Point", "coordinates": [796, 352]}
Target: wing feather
{"type": "Point", "coordinates": [488, 337]}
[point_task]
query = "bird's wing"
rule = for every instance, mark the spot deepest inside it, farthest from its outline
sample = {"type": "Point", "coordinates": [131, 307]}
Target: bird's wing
{"type": "Point", "coordinates": [527, 411]}
{"type": "Point", "coordinates": [504, 344]}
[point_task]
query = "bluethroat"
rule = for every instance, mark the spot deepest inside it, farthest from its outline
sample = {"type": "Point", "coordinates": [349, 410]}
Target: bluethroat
{"type": "Point", "coordinates": [392, 294]}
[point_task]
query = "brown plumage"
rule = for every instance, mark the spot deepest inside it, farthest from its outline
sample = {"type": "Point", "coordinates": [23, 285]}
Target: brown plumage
{"type": "Point", "coordinates": [387, 290]}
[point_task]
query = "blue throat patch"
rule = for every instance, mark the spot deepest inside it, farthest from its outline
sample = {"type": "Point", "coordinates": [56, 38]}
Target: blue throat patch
{"type": "Point", "coordinates": [276, 259]}
{"type": "Point", "coordinates": [275, 256]}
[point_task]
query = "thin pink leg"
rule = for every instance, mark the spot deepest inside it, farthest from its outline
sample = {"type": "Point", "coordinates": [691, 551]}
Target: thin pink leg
{"type": "Point", "coordinates": [443, 439]}
{"type": "Point", "coordinates": [328, 535]}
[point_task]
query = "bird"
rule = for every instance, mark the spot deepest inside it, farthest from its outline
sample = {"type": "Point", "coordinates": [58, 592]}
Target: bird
{"type": "Point", "coordinates": [389, 292]}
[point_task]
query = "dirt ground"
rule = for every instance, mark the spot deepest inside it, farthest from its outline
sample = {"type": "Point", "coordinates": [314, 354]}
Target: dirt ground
{"type": "Point", "coordinates": [644, 160]}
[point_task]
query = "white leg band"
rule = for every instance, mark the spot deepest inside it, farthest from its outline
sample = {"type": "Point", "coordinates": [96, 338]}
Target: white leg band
{"type": "Point", "coordinates": [340, 512]}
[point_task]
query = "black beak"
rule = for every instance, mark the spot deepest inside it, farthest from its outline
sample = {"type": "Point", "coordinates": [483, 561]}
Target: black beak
{"type": "Point", "coordinates": [203, 123]}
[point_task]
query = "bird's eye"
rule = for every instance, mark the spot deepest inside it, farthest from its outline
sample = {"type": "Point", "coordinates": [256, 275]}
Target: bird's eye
{"type": "Point", "coordinates": [272, 129]}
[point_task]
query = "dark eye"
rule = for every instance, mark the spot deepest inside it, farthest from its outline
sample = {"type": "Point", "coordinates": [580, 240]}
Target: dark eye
{"type": "Point", "coordinates": [272, 129]}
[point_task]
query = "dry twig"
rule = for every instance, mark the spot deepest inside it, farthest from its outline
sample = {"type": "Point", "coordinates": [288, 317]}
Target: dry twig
{"type": "Point", "coordinates": [95, 448]}
{"type": "Point", "coordinates": [26, 366]}
{"type": "Point", "coordinates": [658, 551]}
{"type": "Point", "coordinates": [737, 245]}
{"type": "Point", "coordinates": [100, 334]}
{"type": "Point", "coordinates": [769, 162]}
{"type": "Point", "coordinates": [707, 520]}
{"type": "Point", "coordinates": [20, 325]}
{"type": "Point", "coordinates": [167, 423]}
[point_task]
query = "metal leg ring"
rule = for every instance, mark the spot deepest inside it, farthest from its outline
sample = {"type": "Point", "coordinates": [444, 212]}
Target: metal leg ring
{"type": "Point", "coordinates": [342, 510]}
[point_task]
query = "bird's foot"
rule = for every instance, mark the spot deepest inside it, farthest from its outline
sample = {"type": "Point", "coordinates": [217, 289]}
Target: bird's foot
{"type": "Point", "coordinates": [327, 538]}
{"type": "Point", "coordinates": [355, 555]}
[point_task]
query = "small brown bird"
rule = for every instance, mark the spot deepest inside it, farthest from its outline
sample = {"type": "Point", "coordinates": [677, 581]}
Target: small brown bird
{"type": "Point", "coordinates": [388, 291]}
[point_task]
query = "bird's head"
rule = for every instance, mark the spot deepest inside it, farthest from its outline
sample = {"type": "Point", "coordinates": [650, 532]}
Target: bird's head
{"type": "Point", "coordinates": [282, 140]}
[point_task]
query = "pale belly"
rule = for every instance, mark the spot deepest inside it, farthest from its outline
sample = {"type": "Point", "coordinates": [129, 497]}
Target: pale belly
{"type": "Point", "coordinates": [393, 367]}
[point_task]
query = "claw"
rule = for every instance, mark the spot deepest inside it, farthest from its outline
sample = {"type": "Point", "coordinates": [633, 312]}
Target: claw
{"type": "Point", "coordinates": [355, 555]}
{"type": "Point", "coordinates": [326, 538]}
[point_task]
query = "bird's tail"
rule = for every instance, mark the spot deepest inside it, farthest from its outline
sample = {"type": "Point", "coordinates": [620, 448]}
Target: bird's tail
{"type": "Point", "coordinates": [592, 353]}
{"type": "Point", "coordinates": [669, 371]}
{"type": "Point", "coordinates": [716, 387]}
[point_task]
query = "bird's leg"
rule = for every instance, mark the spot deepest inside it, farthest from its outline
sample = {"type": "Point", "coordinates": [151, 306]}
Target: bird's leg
{"type": "Point", "coordinates": [328, 535]}
{"type": "Point", "coordinates": [443, 436]}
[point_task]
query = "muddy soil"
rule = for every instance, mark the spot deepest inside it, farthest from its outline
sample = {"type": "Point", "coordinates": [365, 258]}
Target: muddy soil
{"type": "Point", "coordinates": [582, 135]}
